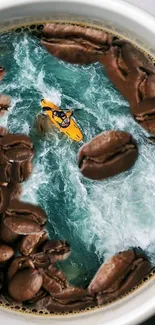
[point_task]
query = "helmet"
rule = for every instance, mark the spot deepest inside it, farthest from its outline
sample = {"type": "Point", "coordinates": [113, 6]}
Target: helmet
{"type": "Point", "coordinates": [59, 114]}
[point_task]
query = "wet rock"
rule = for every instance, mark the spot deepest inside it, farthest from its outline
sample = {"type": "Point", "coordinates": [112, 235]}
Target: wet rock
{"type": "Point", "coordinates": [43, 124]}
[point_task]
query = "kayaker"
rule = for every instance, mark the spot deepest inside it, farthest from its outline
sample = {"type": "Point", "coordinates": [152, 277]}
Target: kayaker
{"type": "Point", "coordinates": [62, 118]}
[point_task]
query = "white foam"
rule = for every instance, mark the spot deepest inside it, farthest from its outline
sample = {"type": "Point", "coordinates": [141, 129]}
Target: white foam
{"type": "Point", "coordinates": [28, 75]}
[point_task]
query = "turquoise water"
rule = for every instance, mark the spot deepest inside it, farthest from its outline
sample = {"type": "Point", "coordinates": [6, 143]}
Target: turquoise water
{"type": "Point", "coordinates": [98, 219]}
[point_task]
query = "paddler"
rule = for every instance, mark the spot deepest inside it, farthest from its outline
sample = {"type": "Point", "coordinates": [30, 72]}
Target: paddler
{"type": "Point", "coordinates": [62, 118]}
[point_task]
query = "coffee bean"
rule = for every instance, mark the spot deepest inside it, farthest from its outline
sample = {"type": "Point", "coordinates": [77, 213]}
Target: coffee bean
{"type": "Point", "coordinates": [6, 252]}
{"type": "Point", "coordinates": [75, 44]}
{"type": "Point", "coordinates": [29, 280]}
{"type": "Point", "coordinates": [108, 154]}
{"type": "Point", "coordinates": [119, 275]}
{"type": "Point", "coordinates": [144, 114]}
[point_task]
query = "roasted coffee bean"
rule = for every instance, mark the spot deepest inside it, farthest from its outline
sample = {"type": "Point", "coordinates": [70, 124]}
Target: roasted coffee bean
{"type": "Point", "coordinates": [54, 306]}
{"type": "Point", "coordinates": [133, 57]}
{"type": "Point", "coordinates": [62, 31]}
{"type": "Point", "coordinates": [127, 82]}
{"type": "Point", "coordinates": [116, 74]}
{"type": "Point", "coordinates": [133, 85]}
{"type": "Point", "coordinates": [21, 225]}
{"type": "Point", "coordinates": [18, 223]}
{"type": "Point", "coordinates": [18, 155]}
{"type": "Point", "coordinates": [5, 103]}
{"type": "Point", "coordinates": [57, 249]}
{"type": "Point", "coordinates": [16, 190]}
{"type": "Point", "coordinates": [40, 295]}
{"type": "Point", "coordinates": [147, 87]}
{"type": "Point", "coordinates": [19, 263]}
{"type": "Point", "coordinates": [133, 73]}
{"type": "Point", "coordinates": [7, 193]}
{"type": "Point", "coordinates": [25, 285]}
{"type": "Point", "coordinates": [108, 154]}
{"type": "Point", "coordinates": [140, 270]}
{"type": "Point", "coordinates": [41, 260]}
{"type": "Point", "coordinates": [23, 218]}
{"type": "Point", "coordinates": [16, 152]}
{"type": "Point", "coordinates": [119, 275]}
{"type": "Point", "coordinates": [5, 171]}
{"type": "Point", "coordinates": [12, 172]}
{"type": "Point", "coordinates": [75, 44]}
{"type": "Point", "coordinates": [28, 211]}
{"type": "Point", "coordinates": [6, 235]}
{"type": "Point", "coordinates": [6, 252]}
{"type": "Point", "coordinates": [53, 280]}
{"type": "Point", "coordinates": [8, 300]}
{"type": "Point", "coordinates": [144, 114]}
{"type": "Point", "coordinates": [15, 141]}
{"type": "Point", "coordinates": [21, 171]}
{"type": "Point", "coordinates": [70, 294]}
{"type": "Point", "coordinates": [30, 243]}
{"type": "Point", "coordinates": [16, 148]}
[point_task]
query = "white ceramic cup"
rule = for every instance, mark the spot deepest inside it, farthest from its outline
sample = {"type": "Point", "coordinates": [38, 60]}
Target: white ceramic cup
{"type": "Point", "coordinates": [138, 26]}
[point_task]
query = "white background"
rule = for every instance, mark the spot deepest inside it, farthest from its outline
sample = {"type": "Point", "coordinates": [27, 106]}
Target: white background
{"type": "Point", "coordinates": [148, 5]}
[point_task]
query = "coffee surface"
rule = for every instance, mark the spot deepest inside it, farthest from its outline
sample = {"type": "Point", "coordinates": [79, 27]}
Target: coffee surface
{"type": "Point", "coordinates": [98, 219]}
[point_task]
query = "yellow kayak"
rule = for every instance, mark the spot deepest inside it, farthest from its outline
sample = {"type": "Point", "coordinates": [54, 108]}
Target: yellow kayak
{"type": "Point", "coordinates": [62, 120]}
